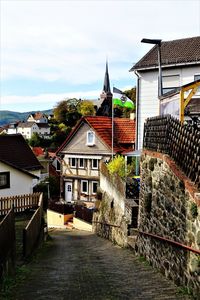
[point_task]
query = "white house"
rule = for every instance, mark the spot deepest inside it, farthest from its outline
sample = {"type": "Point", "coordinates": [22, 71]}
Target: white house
{"type": "Point", "coordinates": [180, 62]}
{"type": "Point", "coordinates": [37, 117]}
{"type": "Point", "coordinates": [19, 168]}
{"type": "Point", "coordinates": [12, 128]}
{"type": "Point", "coordinates": [90, 143]}
{"type": "Point", "coordinates": [28, 128]}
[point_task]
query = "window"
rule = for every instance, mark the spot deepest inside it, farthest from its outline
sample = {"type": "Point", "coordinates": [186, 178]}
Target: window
{"type": "Point", "coordinates": [73, 162]}
{"type": "Point", "coordinates": [90, 138]}
{"type": "Point", "coordinates": [196, 77]}
{"type": "Point", "coordinates": [4, 180]}
{"type": "Point", "coordinates": [94, 187]}
{"type": "Point", "coordinates": [84, 186]}
{"type": "Point", "coordinates": [81, 163]}
{"type": "Point", "coordinates": [95, 164]}
{"type": "Point", "coordinates": [58, 166]}
{"type": "Point", "coordinates": [171, 82]}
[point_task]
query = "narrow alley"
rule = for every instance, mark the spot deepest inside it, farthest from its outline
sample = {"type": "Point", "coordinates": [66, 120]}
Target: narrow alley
{"type": "Point", "coordinates": [80, 265]}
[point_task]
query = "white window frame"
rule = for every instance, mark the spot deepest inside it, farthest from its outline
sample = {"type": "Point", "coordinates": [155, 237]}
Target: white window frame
{"type": "Point", "coordinates": [79, 164]}
{"type": "Point", "coordinates": [95, 168]}
{"type": "Point", "coordinates": [82, 182]}
{"type": "Point", "coordinates": [94, 193]}
{"type": "Point", "coordinates": [71, 160]}
{"type": "Point", "coordinates": [89, 142]}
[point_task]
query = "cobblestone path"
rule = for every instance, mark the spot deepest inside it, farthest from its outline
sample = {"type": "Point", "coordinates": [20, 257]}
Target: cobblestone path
{"type": "Point", "coordinates": [80, 265]}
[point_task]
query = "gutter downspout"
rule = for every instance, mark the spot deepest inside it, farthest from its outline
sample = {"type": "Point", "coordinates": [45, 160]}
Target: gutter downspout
{"type": "Point", "coordinates": [137, 108]}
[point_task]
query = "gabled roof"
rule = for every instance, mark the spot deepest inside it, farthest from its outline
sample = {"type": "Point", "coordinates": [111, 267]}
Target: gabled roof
{"type": "Point", "coordinates": [15, 151]}
{"type": "Point", "coordinates": [38, 115]}
{"type": "Point", "coordinates": [175, 52]}
{"type": "Point", "coordinates": [124, 132]}
{"type": "Point", "coordinates": [27, 124]}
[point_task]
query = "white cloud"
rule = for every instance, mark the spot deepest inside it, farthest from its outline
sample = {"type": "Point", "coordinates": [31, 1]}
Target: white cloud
{"type": "Point", "coordinates": [69, 40]}
{"type": "Point", "coordinates": [50, 100]}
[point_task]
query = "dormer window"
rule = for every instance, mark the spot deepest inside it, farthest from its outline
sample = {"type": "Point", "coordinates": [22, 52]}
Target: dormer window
{"type": "Point", "coordinates": [90, 138]}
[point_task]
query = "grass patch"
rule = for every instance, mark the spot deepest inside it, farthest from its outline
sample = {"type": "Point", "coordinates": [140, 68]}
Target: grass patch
{"type": "Point", "coordinates": [10, 282]}
{"type": "Point", "coordinates": [143, 260]}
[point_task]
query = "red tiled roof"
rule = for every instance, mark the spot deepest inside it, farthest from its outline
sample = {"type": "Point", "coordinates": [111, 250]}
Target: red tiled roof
{"type": "Point", "coordinates": [38, 151]}
{"type": "Point", "coordinates": [124, 131]}
{"type": "Point", "coordinates": [38, 115]}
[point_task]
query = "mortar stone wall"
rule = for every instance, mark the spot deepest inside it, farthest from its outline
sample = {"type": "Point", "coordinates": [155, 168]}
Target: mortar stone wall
{"type": "Point", "coordinates": [170, 208]}
{"type": "Point", "coordinates": [110, 221]}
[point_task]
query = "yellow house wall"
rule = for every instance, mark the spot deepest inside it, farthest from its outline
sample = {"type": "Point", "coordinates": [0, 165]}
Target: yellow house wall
{"type": "Point", "coordinates": [57, 220]}
{"type": "Point", "coordinates": [81, 225]}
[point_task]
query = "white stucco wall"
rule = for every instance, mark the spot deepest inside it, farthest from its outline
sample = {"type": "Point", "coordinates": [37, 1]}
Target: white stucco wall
{"type": "Point", "coordinates": [20, 183]}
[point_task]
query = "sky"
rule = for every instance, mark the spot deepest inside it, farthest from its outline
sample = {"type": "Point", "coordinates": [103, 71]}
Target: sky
{"type": "Point", "coordinates": [54, 50]}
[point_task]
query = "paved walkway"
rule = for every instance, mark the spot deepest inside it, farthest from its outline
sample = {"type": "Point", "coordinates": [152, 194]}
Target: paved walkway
{"type": "Point", "coordinates": [80, 265]}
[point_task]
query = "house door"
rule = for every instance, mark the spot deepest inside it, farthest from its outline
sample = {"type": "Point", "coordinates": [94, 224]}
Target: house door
{"type": "Point", "coordinates": [68, 191]}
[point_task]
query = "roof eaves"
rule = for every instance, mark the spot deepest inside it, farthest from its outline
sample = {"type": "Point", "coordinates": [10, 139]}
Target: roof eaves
{"type": "Point", "coordinates": [74, 130]}
{"type": "Point", "coordinates": [19, 169]}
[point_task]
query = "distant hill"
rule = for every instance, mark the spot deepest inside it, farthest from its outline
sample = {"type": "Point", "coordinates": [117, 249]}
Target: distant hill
{"type": "Point", "coordinates": [7, 116]}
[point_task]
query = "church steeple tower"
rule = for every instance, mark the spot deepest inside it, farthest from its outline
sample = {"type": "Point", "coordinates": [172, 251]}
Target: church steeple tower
{"type": "Point", "coordinates": [106, 97]}
{"type": "Point", "coordinates": [106, 85]}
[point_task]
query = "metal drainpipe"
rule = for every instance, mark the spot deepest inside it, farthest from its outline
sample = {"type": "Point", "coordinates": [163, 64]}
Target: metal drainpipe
{"type": "Point", "coordinates": [137, 107]}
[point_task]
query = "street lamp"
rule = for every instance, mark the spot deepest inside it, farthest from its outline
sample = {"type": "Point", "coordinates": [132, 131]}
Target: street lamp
{"type": "Point", "coordinates": [158, 43]}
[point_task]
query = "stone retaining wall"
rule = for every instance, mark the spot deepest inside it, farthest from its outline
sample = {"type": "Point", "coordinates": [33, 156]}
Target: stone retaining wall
{"type": "Point", "coordinates": [170, 208]}
{"type": "Point", "coordinates": [110, 221]}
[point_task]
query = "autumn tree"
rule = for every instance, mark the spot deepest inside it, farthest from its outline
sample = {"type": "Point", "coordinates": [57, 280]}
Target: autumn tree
{"type": "Point", "coordinates": [86, 108]}
{"type": "Point", "coordinates": [66, 112]}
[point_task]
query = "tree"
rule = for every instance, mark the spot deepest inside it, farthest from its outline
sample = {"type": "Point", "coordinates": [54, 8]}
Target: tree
{"type": "Point", "coordinates": [35, 140]}
{"type": "Point", "coordinates": [86, 108]}
{"type": "Point", "coordinates": [66, 112]}
{"type": "Point", "coordinates": [131, 94]}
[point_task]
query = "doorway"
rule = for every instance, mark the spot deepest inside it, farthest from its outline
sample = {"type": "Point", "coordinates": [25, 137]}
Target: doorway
{"type": "Point", "coordinates": [68, 191]}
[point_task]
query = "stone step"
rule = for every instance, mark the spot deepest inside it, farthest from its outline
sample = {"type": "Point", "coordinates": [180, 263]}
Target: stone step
{"type": "Point", "coordinates": [69, 225]}
{"type": "Point", "coordinates": [132, 241]}
{"type": "Point", "coordinates": [133, 231]}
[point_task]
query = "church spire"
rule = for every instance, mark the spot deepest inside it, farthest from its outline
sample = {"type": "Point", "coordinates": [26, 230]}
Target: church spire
{"type": "Point", "coordinates": [106, 85]}
{"type": "Point", "coordinates": [105, 108]}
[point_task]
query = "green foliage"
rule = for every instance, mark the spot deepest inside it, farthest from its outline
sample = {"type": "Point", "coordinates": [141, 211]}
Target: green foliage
{"type": "Point", "coordinates": [131, 94]}
{"type": "Point", "coordinates": [194, 210]}
{"type": "Point", "coordinates": [66, 112]}
{"type": "Point", "coordinates": [117, 166]}
{"type": "Point", "coordinates": [86, 108]}
{"type": "Point", "coordinates": [54, 188]}
{"type": "Point", "coordinates": [35, 140]}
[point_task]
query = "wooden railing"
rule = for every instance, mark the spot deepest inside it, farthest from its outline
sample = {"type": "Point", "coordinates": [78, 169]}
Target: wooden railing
{"type": "Point", "coordinates": [7, 243]}
{"type": "Point", "coordinates": [181, 142]}
{"type": "Point", "coordinates": [20, 203]}
{"type": "Point", "coordinates": [33, 229]}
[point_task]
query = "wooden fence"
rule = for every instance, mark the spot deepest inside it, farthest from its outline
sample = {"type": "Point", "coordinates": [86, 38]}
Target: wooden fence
{"type": "Point", "coordinates": [181, 142]}
{"type": "Point", "coordinates": [33, 229]}
{"type": "Point", "coordinates": [7, 243]}
{"type": "Point", "coordinates": [83, 213]}
{"type": "Point", "coordinates": [20, 203]}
